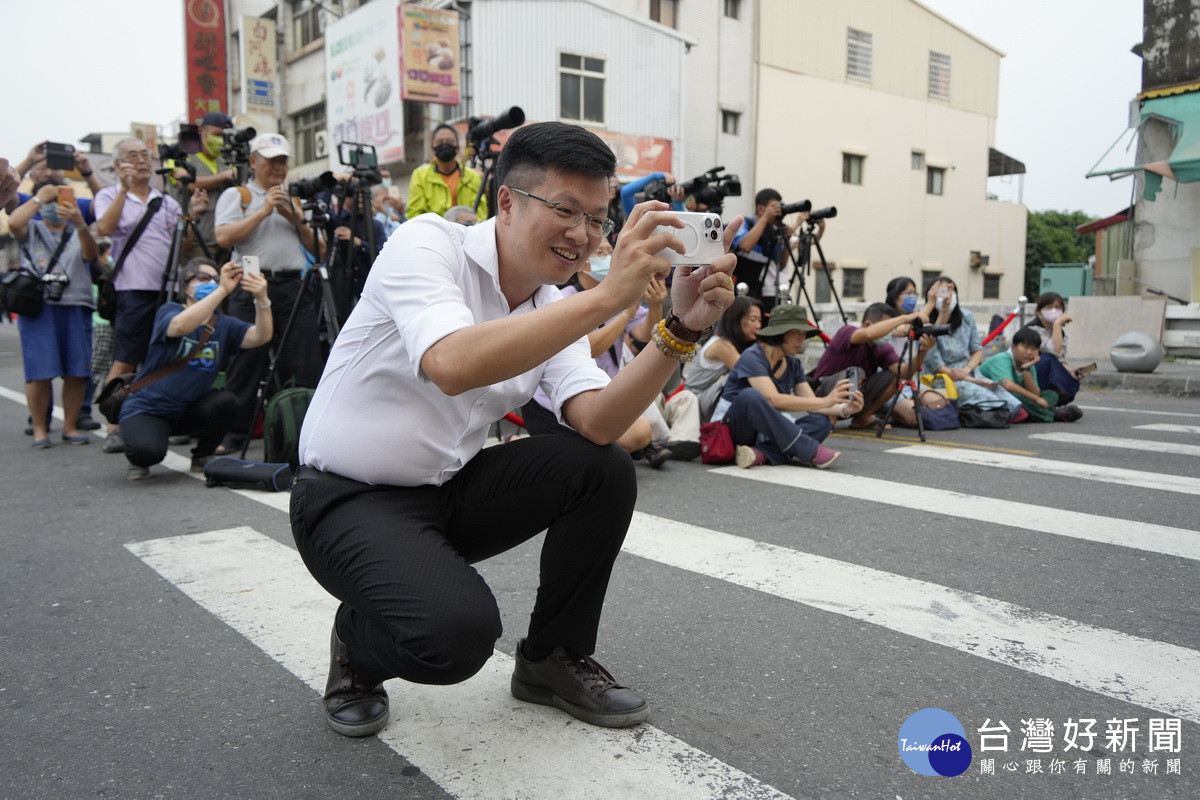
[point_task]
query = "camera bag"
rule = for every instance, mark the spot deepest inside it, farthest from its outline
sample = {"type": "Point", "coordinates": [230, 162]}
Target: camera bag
{"type": "Point", "coordinates": [24, 292]}
{"type": "Point", "coordinates": [238, 473]}
{"type": "Point", "coordinates": [115, 392]}
{"type": "Point", "coordinates": [106, 305]}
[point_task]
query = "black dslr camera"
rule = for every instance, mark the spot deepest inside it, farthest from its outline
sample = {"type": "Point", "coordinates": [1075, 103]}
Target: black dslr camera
{"type": "Point", "coordinates": [711, 188]}
{"type": "Point", "coordinates": [187, 143]}
{"type": "Point", "coordinates": [919, 329]}
{"type": "Point", "coordinates": [806, 205]}
{"type": "Point", "coordinates": [54, 283]}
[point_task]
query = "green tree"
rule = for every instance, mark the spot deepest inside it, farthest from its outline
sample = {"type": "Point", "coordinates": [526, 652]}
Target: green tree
{"type": "Point", "coordinates": [1051, 238]}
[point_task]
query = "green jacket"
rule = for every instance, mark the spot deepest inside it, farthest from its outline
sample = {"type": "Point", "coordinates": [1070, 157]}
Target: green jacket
{"type": "Point", "coordinates": [428, 192]}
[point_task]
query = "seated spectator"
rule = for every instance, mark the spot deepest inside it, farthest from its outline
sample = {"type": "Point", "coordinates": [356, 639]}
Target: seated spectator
{"type": "Point", "coordinates": [960, 352]}
{"type": "Point", "coordinates": [1014, 371]}
{"type": "Point", "coordinates": [876, 363]}
{"type": "Point", "coordinates": [462, 215]}
{"type": "Point", "coordinates": [57, 343]}
{"type": "Point", "coordinates": [902, 294]}
{"type": "Point", "coordinates": [767, 387]}
{"type": "Point", "coordinates": [184, 401]}
{"type": "Point", "coordinates": [1052, 369]}
{"type": "Point", "coordinates": [736, 330]}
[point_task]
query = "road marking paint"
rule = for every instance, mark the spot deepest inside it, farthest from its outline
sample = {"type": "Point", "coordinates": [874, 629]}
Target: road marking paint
{"type": "Point", "coordinates": [1039, 467]}
{"type": "Point", "coordinates": [1144, 536]}
{"type": "Point", "coordinates": [473, 739]}
{"type": "Point", "coordinates": [1119, 442]}
{"type": "Point", "coordinates": [1153, 674]}
{"type": "Point", "coordinates": [1165, 428]}
{"type": "Point", "coordinates": [1140, 411]}
{"type": "Point", "coordinates": [913, 440]}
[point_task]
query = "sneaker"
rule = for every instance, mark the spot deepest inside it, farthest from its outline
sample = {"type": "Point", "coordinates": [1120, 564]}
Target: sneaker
{"type": "Point", "coordinates": [745, 456]}
{"type": "Point", "coordinates": [198, 462]}
{"type": "Point", "coordinates": [1067, 413]}
{"type": "Point", "coordinates": [1020, 415]}
{"type": "Point", "coordinates": [84, 422]}
{"type": "Point", "coordinates": [76, 439]}
{"type": "Point", "coordinates": [578, 685]}
{"type": "Point", "coordinates": [113, 443]}
{"type": "Point", "coordinates": [824, 457]}
{"type": "Point", "coordinates": [136, 473]}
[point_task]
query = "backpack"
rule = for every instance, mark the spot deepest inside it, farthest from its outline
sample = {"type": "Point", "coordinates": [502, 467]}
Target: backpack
{"type": "Point", "coordinates": [282, 419]}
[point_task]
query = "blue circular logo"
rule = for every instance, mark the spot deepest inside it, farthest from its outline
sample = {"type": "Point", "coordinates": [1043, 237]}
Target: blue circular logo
{"type": "Point", "coordinates": [934, 742]}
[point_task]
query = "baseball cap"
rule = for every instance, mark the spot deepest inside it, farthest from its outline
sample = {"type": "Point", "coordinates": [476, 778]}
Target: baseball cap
{"type": "Point", "coordinates": [786, 318]}
{"type": "Point", "coordinates": [270, 145]}
{"type": "Point", "coordinates": [217, 120]}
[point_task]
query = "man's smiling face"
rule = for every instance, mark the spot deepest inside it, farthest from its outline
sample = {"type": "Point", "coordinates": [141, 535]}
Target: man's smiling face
{"type": "Point", "coordinates": [549, 243]}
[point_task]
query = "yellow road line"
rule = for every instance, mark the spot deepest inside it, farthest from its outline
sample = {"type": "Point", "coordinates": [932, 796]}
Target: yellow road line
{"type": "Point", "coordinates": [868, 436]}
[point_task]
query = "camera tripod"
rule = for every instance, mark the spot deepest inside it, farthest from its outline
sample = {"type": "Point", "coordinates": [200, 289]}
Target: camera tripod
{"type": "Point", "coordinates": [342, 277]}
{"type": "Point", "coordinates": [169, 288]}
{"type": "Point", "coordinates": [801, 259]}
{"type": "Point", "coordinates": [483, 155]}
{"type": "Point", "coordinates": [908, 356]}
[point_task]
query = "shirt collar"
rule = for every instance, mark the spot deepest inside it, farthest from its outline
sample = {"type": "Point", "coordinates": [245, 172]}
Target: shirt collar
{"type": "Point", "coordinates": [479, 245]}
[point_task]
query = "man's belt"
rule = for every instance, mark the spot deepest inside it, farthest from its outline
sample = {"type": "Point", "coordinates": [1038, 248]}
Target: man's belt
{"type": "Point", "coordinates": [281, 274]}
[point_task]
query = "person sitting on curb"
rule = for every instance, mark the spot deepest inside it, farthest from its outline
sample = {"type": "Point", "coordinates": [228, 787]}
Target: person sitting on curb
{"type": "Point", "coordinates": [767, 387]}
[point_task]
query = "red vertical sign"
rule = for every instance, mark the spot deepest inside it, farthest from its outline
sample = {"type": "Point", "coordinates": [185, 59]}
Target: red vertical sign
{"type": "Point", "coordinates": [204, 46]}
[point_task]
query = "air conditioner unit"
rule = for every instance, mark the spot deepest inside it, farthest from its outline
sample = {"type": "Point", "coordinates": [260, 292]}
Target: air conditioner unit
{"type": "Point", "coordinates": [320, 144]}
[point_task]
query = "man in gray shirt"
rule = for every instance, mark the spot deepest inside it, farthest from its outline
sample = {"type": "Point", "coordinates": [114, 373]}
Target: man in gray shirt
{"type": "Point", "coordinates": [260, 219]}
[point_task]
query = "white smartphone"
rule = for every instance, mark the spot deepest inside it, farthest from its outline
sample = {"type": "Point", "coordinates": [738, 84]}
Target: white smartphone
{"type": "Point", "coordinates": [700, 235]}
{"type": "Point", "coordinates": [250, 265]}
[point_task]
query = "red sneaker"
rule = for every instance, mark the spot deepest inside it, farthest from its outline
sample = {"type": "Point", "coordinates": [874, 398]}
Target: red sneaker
{"type": "Point", "coordinates": [1020, 416]}
{"type": "Point", "coordinates": [824, 457]}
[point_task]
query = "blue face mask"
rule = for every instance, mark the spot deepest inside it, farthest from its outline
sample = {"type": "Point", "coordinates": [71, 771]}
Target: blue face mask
{"type": "Point", "coordinates": [599, 266]}
{"type": "Point", "coordinates": [49, 214]}
{"type": "Point", "coordinates": [908, 303]}
{"type": "Point", "coordinates": [204, 290]}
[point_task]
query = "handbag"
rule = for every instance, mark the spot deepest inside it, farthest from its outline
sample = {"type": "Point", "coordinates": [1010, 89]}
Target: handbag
{"type": "Point", "coordinates": [23, 293]}
{"type": "Point", "coordinates": [944, 418]}
{"type": "Point", "coordinates": [106, 301]}
{"type": "Point", "coordinates": [984, 417]}
{"type": "Point", "coordinates": [116, 391]}
{"type": "Point", "coordinates": [716, 443]}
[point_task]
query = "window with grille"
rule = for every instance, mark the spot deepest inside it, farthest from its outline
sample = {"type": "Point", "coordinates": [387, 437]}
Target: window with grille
{"type": "Point", "coordinates": [939, 75]}
{"type": "Point", "coordinates": [858, 55]}
{"type": "Point", "coordinates": [580, 88]}
{"type": "Point", "coordinates": [730, 121]}
{"type": "Point", "coordinates": [927, 279]}
{"type": "Point", "coordinates": [935, 180]}
{"type": "Point", "coordinates": [991, 287]}
{"type": "Point", "coordinates": [733, 9]}
{"type": "Point", "coordinates": [305, 127]}
{"type": "Point", "coordinates": [852, 168]}
{"type": "Point", "coordinates": [664, 12]}
{"type": "Point", "coordinates": [308, 23]}
{"type": "Point", "coordinates": [854, 283]}
{"type": "Point", "coordinates": [918, 159]}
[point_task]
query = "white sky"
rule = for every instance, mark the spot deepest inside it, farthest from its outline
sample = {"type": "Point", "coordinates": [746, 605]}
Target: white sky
{"type": "Point", "coordinates": [1065, 82]}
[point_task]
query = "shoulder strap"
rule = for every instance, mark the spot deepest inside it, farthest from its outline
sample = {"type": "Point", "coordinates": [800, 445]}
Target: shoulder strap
{"type": "Point", "coordinates": [62, 244]}
{"type": "Point", "coordinates": [209, 328]}
{"type": "Point", "coordinates": [151, 208]}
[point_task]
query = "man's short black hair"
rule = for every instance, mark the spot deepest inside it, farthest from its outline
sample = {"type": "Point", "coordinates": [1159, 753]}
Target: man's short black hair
{"type": "Point", "coordinates": [570, 149]}
{"type": "Point", "coordinates": [443, 125]}
{"type": "Point", "coordinates": [878, 311]}
{"type": "Point", "coordinates": [765, 196]}
{"type": "Point", "coordinates": [1027, 336]}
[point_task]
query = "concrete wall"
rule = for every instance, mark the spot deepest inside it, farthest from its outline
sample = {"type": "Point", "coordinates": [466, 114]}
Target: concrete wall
{"type": "Point", "coordinates": [1171, 45]}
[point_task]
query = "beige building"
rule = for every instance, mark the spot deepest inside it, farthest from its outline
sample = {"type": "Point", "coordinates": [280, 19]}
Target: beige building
{"type": "Point", "coordinates": [887, 111]}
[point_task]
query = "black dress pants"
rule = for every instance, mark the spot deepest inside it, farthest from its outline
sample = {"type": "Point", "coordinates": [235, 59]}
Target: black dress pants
{"type": "Point", "coordinates": [399, 558]}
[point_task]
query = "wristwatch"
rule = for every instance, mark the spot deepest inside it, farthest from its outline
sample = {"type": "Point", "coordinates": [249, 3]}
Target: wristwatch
{"type": "Point", "coordinates": [676, 328]}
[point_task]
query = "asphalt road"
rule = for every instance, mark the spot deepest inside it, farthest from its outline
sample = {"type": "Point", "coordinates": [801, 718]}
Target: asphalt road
{"type": "Point", "coordinates": [161, 640]}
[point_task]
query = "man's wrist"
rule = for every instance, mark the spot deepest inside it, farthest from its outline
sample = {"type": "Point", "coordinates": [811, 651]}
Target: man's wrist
{"type": "Point", "coordinates": [676, 328]}
{"type": "Point", "coordinates": [262, 306]}
{"type": "Point", "coordinates": [87, 174]}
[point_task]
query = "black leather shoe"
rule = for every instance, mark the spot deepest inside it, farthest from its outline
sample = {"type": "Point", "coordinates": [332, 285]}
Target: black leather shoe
{"type": "Point", "coordinates": [84, 422]}
{"type": "Point", "coordinates": [579, 686]}
{"type": "Point", "coordinates": [351, 708]}
{"type": "Point", "coordinates": [656, 455]}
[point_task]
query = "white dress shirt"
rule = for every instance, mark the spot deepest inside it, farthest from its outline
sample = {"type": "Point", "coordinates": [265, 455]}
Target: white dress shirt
{"type": "Point", "coordinates": [376, 417]}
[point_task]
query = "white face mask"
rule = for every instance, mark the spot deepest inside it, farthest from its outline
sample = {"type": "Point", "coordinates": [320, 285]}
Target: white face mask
{"type": "Point", "coordinates": [598, 266]}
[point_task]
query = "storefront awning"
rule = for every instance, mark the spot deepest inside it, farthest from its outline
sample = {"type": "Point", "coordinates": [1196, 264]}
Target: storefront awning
{"type": "Point", "coordinates": [1182, 114]}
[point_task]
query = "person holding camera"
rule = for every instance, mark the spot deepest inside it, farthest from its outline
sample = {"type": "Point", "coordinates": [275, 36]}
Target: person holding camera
{"type": "Point", "coordinates": [445, 181]}
{"type": "Point", "coordinates": [210, 174]}
{"type": "Point", "coordinates": [761, 246]}
{"type": "Point", "coordinates": [396, 497]}
{"type": "Point", "coordinates": [767, 389]}
{"type": "Point", "coordinates": [262, 220]}
{"type": "Point", "coordinates": [57, 343]}
{"type": "Point", "coordinates": [36, 166]}
{"type": "Point", "coordinates": [203, 339]}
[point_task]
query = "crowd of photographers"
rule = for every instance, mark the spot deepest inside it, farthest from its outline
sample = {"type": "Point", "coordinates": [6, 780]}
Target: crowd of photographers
{"type": "Point", "coordinates": [914, 355]}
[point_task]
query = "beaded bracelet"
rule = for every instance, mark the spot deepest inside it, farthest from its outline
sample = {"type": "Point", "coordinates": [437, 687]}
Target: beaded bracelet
{"type": "Point", "coordinates": [672, 347]}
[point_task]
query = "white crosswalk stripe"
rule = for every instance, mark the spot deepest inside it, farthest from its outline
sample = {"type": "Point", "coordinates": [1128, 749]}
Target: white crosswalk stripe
{"type": "Point", "coordinates": [1045, 466]}
{"type": "Point", "coordinates": [1059, 522]}
{"type": "Point", "coordinates": [1123, 443]}
{"type": "Point", "coordinates": [261, 589]}
{"type": "Point", "coordinates": [1168, 428]}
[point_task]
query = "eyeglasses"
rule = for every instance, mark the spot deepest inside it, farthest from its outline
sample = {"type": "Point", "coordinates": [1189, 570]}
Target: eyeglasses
{"type": "Point", "coordinates": [204, 277]}
{"type": "Point", "coordinates": [136, 155]}
{"type": "Point", "coordinates": [570, 216]}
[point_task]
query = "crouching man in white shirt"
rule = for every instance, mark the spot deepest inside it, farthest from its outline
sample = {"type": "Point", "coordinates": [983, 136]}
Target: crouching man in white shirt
{"type": "Point", "coordinates": [396, 497]}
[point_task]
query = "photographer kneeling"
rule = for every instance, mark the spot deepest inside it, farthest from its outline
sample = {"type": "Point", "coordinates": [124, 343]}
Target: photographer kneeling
{"type": "Point", "coordinates": [184, 401]}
